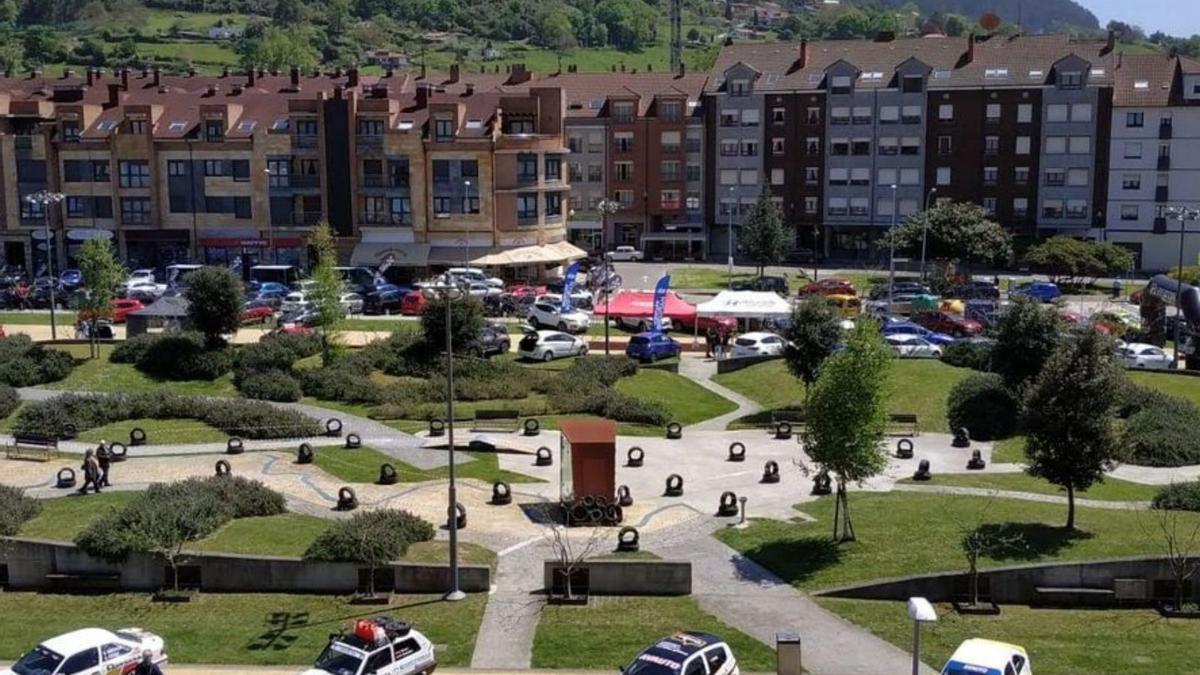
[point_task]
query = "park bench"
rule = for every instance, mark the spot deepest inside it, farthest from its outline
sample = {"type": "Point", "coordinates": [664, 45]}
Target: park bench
{"type": "Point", "coordinates": [1074, 596]}
{"type": "Point", "coordinates": [82, 582]}
{"type": "Point", "coordinates": [496, 420]}
{"type": "Point", "coordinates": [792, 417]}
{"type": "Point", "coordinates": [36, 447]}
{"type": "Point", "coordinates": [902, 424]}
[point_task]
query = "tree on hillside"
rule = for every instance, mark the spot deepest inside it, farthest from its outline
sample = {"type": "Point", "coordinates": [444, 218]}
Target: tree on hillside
{"type": "Point", "coordinates": [326, 293]}
{"type": "Point", "coordinates": [812, 336]}
{"type": "Point", "coordinates": [102, 273]}
{"type": "Point", "coordinates": [215, 299]}
{"type": "Point", "coordinates": [846, 416]}
{"type": "Point", "coordinates": [764, 236]}
{"type": "Point", "coordinates": [1069, 416]}
{"type": "Point", "coordinates": [1026, 336]}
{"type": "Point", "coordinates": [1070, 260]}
{"type": "Point", "coordinates": [279, 49]}
{"type": "Point", "coordinates": [955, 231]}
{"type": "Point", "coordinates": [630, 23]}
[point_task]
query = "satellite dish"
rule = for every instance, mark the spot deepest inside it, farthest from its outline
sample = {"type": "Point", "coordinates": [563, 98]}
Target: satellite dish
{"type": "Point", "coordinates": [989, 21]}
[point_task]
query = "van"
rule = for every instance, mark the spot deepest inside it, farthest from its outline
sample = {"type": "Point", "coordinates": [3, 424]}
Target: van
{"type": "Point", "coordinates": [284, 274]}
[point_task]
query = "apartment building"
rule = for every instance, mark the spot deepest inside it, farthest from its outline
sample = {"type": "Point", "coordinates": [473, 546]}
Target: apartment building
{"type": "Point", "coordinates": [1154, 156]}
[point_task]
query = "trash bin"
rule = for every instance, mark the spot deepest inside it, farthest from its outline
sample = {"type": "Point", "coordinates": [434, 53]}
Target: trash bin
{"type": "Point", "coordinates": [787, 654]}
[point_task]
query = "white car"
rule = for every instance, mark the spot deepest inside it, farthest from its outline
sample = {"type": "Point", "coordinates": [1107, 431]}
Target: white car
{"type": "Point", "coordinates": [758, 344]}
{"type": "Point", "coordinates": [988, 656]}
{"type": "Point", "coordinates": [352, 303]}
{"type": "Point", "coordinates": [378, 646]}
{"type": "Point", "coordinates": [1145, 357]}
{"type": "Point", "coordinates": [142, 276]}
{"type": "Point", "coordinates": [474, 275]}
{"type": "Point", "coordinates": [552, 316]}
{"type": "Point", "coordinates": [579, 298]}
{"type": "Point", "coordinates": [625, 254]}
{"type": "Point", "coordinates": [547, 345]}
{"type": "Point", "coordinates": [90, 651]}
{"type": "Point", "coordinates": [478, 289]}
{"type": "Point", "coordinates": [641, 324]}
{"type": "Point", "coordinates": [689, 653]}
{"type": "Point", "coordinates": [147, 289]}
{"type": "Point", "coordinates": [912, 346]}
{"type": "Point", "coordinates": [293, 301]}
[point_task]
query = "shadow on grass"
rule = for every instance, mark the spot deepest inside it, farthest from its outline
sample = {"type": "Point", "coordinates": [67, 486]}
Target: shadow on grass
{"type": "Point", "coordinates": [1028, 541]}
{"type": "Point", "coordinates": [763, 418]}
{"type": "Point", "coordinates": [283, 627]}
{"type": "Point", "coordinates": [794, 561]}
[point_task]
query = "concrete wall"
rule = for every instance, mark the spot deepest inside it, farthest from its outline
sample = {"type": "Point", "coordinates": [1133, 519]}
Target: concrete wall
{"type": "Point", "coordinates": [631, 577]}
{"type": "Point", "coordinates": [30, 560]}
{"type": "Point", "coordinates": [730, 365]}
{"type": "Point", "coordinates": [1016, 585]}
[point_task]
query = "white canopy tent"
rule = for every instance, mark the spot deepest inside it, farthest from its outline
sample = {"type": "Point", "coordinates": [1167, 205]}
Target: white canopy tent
{"type": "Point", "coordinates": [746, 305]}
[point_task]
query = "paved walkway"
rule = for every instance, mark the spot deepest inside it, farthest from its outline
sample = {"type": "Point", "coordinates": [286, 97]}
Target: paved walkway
{"type": "Point", "coordinates": [505, 638]}
{"type": "Point", "coordinates": [701, 370]}
{"type": "Point", "coordinates": [1027, 496]}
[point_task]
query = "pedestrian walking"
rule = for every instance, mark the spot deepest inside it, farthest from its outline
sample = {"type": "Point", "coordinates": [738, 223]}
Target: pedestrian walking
{"type": "Point", "coordinates": [91, 472]}
{"type": "Point", "coordinates": [147, 665]}
{"type": "Point", "coordinates": [710, 341]}
{"type": "Point", "coordinates": [725, 337]}
{"type": "Point", "coordinates": [1116, 288]}
{"type": "Point", "coordinates": [104, 459]}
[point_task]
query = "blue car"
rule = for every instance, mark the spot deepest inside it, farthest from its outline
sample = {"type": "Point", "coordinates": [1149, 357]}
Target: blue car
{"type": "Point", "coordinates": [1043, 291]}
{"type": "Point", "coordinates": [71, 278]}
{"type": "Point", "coordinates": [650, 347]}
{"type": "Point", "coordinates": [902, 327]}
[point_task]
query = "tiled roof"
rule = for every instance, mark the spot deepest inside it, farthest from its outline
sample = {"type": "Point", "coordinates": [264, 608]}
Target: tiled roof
{"type": "Point", "coordinates": [1145, 80]}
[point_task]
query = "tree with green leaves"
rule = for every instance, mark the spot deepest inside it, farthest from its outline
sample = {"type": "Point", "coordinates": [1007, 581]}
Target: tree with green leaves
{"type": "Point", "coordinates": [467, 319]}
{"type": "Point", "coordinates": [279, 49]}
{"type": "Point", "coordinates": [955, 231]}
{"type": "Point", "coordinates": [813, 334]}
{"type": "Point", "coordinates": [371, 538]}
{"type": "Point", "coordinates": [102, 274]}
{"type": "Point", "coordinates": [215, 298]}
{"type": "Point", "coordinates": [846, 416]}
{"type": "Point", "coordinates": [1026, 335]}
{"type": "Point", "coordinates": [1070, 260]}
{"type": "Point", "coordinates": [764, 236]}
{"type": "Point", "coordinates": [1069, 438]}
{"type": "Point", "coordinates": [326, 293]}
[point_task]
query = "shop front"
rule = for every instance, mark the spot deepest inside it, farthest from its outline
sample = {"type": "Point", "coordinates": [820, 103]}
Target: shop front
{"type": "Point", "coordinates": [41, 246]}
{"type": "Point", "coordinates": [153, 249]}
{"type": "Point", "coordinates": [77, 237]}
{"type": "Point", "coordinates": [241, 251]}
{"type": "Point", "coordinates": [586, 234]}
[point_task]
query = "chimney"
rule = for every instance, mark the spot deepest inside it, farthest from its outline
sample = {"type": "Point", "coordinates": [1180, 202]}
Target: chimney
{"type": "Point", "coordinates": [422, 94]}
{"type": "Point", "coordinates": [158, 76]}
{"type": "Point", "coordinates": [68, 73]}
{"type": "Point", "coordinates": [470, 89]}
{"type": "Point", "coordinates": [250, 77]}
{"type": "Point", "coordinates": [453, 73]}
{"type": "Point", "coordinates": [114, 94]}
{"type": "Point", "coordinates": [352, 76]}
{"type": "Point", "coordinates": [338, 91]}
{"type": "Point", "coordinates": [213, 89]}
{"type": "Point", "coordinates": [125, 79]}
{"type": "Point", "coordinates": [91, 76]}
{"type": "Point", "coordinates": [295, 76]}
{"type": "Point", "coordinates": [1110, 43]}
{"type": "Point", "coordinates": [803, 60]}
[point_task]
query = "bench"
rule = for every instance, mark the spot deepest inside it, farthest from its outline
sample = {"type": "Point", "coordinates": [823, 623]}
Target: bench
{"type": "Point", "coordinates": [95, 582]}
{"type": "Point", "coordinates": [1074, 596]}
{"type": "Point", "coordinates": [36, 447]}
{"type": "Point", "coordinates": [902, 424]}
{"type": "Point", "coordinates": [792, 417]}
{"type": "Point", "coordinates": [496, 420]}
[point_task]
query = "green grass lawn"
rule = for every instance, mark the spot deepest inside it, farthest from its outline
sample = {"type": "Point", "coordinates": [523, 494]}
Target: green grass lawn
{"type": "Point", "coordinates": [567, 637]}
{"type": "Point", "coordinates": [158, 432]}
{"type": "Point", "coordinates": [1112, 489]}
{"type": "Point", "coordinates": [192, 51]}
{"type": "Point", "coordinates": [905, 533]}
{"type": "Point", "coordinates": [31, 319]}
{"type": "Point", "coordinates": [715, 278]}
{"type": "Point", "coordinates": [362, 466]}
{"type": "Point", "coordinates": [385, 325]}
{"type": "Point", "coordinates": [1175, 385]}
{"type": "Point", "coordinates": [64, 517]}
{"type": "Point", "coordinates": [1059, 641]}
{"type": "Point", "coordinates": [100, 375]}
{"type": "Point", "coordinates": [246, 629]}
{"type": "Point", "coordinates": [1009, 451]}
{"type": "Point", "coordinates": [686, 401]}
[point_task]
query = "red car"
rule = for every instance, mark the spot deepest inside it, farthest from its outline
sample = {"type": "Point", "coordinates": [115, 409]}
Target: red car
{"type": "Point", "coordinates": [526, 291]}
{"type": "Point", "coordinates": [287, 329]}
{"type": "Point", "coordinates": [413, 303]}
{"type": "Point", "coordinates": [257, 312]}
{"type": "Point", "coordinates": [828, 287]}
{"type": "Point", "coordinates": [121, 308]}
{"type": "Point", "coordinates": [951, 324]}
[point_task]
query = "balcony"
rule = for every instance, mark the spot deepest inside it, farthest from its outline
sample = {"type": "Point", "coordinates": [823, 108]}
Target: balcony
{"type": "Point", "coordinates": [1077, 214]}
{"type": "Point", "coordinates": [305, 141]}
{"type": "Point", "coordinates": [370, 142]}
{"type": "Point", "coordinates": [385, 218]}
{"type": "Point", "coordinates": [306, 218]}
{"type": "Point", "coordinates": [1161, 193]}
{"type": "Point", "coordinates": [304, 182]}
{"type": "Point", "coordinates": [1164, 131]}
{"type": "Point", "coordinates": [1160, 225]}
{"type": "Point", "coordinates": [372, 180]}
{"type": "Point", "coordinates": [1164, 162]}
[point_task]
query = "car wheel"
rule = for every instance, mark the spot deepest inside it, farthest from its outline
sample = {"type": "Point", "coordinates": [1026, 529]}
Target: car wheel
{"type": "Point", "coordinates": [548, 356]}
{"type": "Point", "coordinates": [583, 350]}
{"type": "Point", "coordinates": [642, 327]}
{"type": "Point", "coordinates": [562, 326]}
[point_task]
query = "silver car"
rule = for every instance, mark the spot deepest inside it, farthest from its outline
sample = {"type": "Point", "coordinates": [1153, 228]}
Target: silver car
{"type": "Point", "coordinates": [547, 345]}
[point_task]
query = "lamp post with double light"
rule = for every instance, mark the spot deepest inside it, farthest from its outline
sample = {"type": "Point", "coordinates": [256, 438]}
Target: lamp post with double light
{"type": "Point", "coordinates": [44, 199]}
{"type": "Point", "coordinates": [606, 207]}
{"type": "Point", "coordinates": [450, 292]}
{"type": "Point", "coordinates": [1183, 214]}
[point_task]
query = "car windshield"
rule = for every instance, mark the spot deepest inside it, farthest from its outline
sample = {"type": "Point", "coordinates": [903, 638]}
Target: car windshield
{"type": "Point", "coordinates": [638, 340]}
{"type": "Point", "coordinates": [744, 342]}
{"type": "Point", "coordinates": [339, 660]}
{"type": "Point", "coordinates": [39, 661]}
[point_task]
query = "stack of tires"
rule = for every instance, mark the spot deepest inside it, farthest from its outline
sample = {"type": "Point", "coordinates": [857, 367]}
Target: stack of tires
{"type": "Point", "coordinates": [596, 511]}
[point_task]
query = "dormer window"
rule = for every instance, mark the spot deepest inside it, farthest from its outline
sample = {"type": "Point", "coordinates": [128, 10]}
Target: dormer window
{"type": "Point", "coordinates": [622, 111]}
{"type": "Point", "coordinates": [840, 84]}
{"type": "Point", "coordinates": [670, 111]}
{"type": "Point", "coordinates": [70, 131]}
{"type": "Point", "coordinates": [443, 129]}
{"type": "Point", "coordinates": [912, 84]}
{"type": "Point", "coordinates": [214, 130]}
{"type": "Point", "coordinates": [370, 127]}
{"type": "Point", "coordinates": [739, 87]}
{"type": "Point", "coordinates": [137, 127]}
{"type": "Point", "coordinates": [517, 124]}
{"type": "Point", "coordinates": [1070, 80]}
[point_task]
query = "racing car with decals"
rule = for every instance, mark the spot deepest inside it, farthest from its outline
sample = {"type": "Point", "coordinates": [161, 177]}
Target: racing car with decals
{"type": "Point", "coordinates": [378, 646]}
{"type": "Point", "coordinates": [687, 653]}
{"type": "Point", "coordinates": [90, 651]}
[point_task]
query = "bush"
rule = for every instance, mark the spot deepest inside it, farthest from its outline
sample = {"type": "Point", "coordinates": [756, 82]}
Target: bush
{"type": "Point", "coordinates": [270, 385]}
{"type": "Point", "coordinates": [600, 370]}
{"type": "Point", "coordinates": [184, 356]}
{"type": "Point", "coordinates": [1135, 397]}
{"type": "Point", "coordinates": [25, 364]}
{"type": "Point", "coordinates": [1178, 497]}
{"type": "Point", "coordinates": [340, 382]}
{"type": "Point", "coordinates": [388, 533]}
{"type": "Point", "coordinates": [246, 498]}
{"type": "Point", "coordinates": [983, 405]}
{"type": "Point", "coordinates": [278, 353]}
{"type": "Point", "coordinates": [15, 509]}
{"type": "Point", "coordinates": [973, 355]}
{"type": "Point", "coordinates": [1162, 434]}
{"type": "Point", "coordinates": [131, 350]}
{"type": "Point", "coordinates": [614, 405]}
{"type": "Point", "coordinates": [9, 400]}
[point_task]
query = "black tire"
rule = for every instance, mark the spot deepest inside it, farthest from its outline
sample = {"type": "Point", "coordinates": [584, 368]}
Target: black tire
{"type": "Point", "coordinates": [583, 349]}
{"type": "Point", "coordinates": [562, 326]}
{"type": "Point", "coordinates": [548, 356]}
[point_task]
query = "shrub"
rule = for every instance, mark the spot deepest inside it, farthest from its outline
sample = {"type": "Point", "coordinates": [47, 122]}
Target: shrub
{"type": "Point", "coordinates": [215, 298]}
{"type": "Point", "coordinates": [131, 350]}
{"type": "Point", "coordinates": [1135, 397]}
{"type": "Point", "coordinates": [156, 521]}
{"type": "Point", "coordinates": [387, 534]}
{"type": "Point", "coordinates": [614, 405]}
{"type": "Point", "coordinates": [270, 385]}
{"type": "Point", "coordinates": [9, 400]}
{"type": "Point", "coordinates": [340, 382]}
{"type": "Point", "coordinates": [982, 404]}
{"type": "Point", "coordinates": [973, 355]}
{"type": "Point", "coordinates": [1162, 434]}
{"type": "Point", "coordinates": [15, 509]}
{"type": "Point", "coordinates": [278, 353]}
{"type": "Point", "coordinates": [25, 364]}
{"type": "Point", "coordinates": [1178, 497]}
{"type": "Point", "coordinates": [184, 356]}
{"type": "Point", "coordinates": [600, 370]}
{"type": "Point", "coordinates": [20, 372]}
{"type": "Point", "coordinates": [246, 498]}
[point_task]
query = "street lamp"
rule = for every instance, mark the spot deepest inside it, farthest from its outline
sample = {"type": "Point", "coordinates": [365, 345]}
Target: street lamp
{"type": "Point", "coordinates": [1182, 214]}
{"type": "Point", "coordinates": [920, 611]}
{"type": "Point", "coordinates": [892, 256]}
{"type": "Point", "coordinates": [925, 228]}
{"type": "Point", "coordinates": [449, 292]}
{"type": "Point", "coordinates": [44, 199]}
{"type": "Point", "coordinates": [606, 207]}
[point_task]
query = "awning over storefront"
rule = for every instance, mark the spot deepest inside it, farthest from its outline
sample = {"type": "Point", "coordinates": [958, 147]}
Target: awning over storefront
{"type": "Point", "coordinates": [641, 304]}
{"type": "Point", "coordinates": [557, 253]}
{"type": "Point", "coordinates": [374, 254]}
{"type": "Point", "coordinates": [745, 305]}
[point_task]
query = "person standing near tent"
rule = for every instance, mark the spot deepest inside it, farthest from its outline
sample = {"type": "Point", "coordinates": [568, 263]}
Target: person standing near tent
{"type": "Point", "coordinates": [710, 342]}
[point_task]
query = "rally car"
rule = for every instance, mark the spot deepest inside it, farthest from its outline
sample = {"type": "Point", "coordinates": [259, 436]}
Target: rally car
{"type": "Point", "coordinates": [90, 650]}
{"type": "Point", "coordinates": [988, 657]}
{"type": "Point", "coordinates": [685, 654]}
{"type": "Point", "coordinates": [378, 646]}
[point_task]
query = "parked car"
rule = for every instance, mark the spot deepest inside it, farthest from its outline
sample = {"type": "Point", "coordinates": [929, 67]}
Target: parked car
{"type": "Point", "coordinates": [1043, 291]}
{"type": "Point", "coordinates": [650, 347]}
{"type": "Point", "coordinates": [944, 322]}
{"type": "Point", "coordinates": [147, 291]}
{"type": "Point", "coordinates": [140, 276]}
{"type": "Point", "coordinates": [287, 329]}
{"type": "Point", "coordinates": [912, 346]}
{"type": "Point", "coordinates": [274, 298]}
{"type": "Point", "coordinates": [526, 290]}
{"type": "Point", "coordinates": [580, 298]}
{"type": "Point", "coordinates": [474, 275]}
{"type": "Point", "coordinates": [492, 340]}
{"type": "Point", "coordinates": [70, 279]}
{"type": "Point", "coordinates": [758, 344]}
{"type": "Point", "coordinates": [689, 653]}
{"type": "Point", "coordinates": [552, 316]}
{"type": "Point", "coordinates": [269, 287]}
{"type": "Point", "coordinates": [121, 308]}
{"type": "Point", "coordinates": [413, 303]}
{"type": "Point", "coordinates": [1114, 322]}
{"type": "Point", "coordinates": [547, 345]}
{"type": "Point", "coordinates": [641, 324]}
{"type": "Point", "coordinates": [977, 290]}
{"type": "Point", "coordinates": [880, 292]}
{"type": "Point", "coordinates": [625, 254]}
{"type": "Point", "coordinates": [89, 651]}
{"type": "Point", "coordinates": [383, 301]}
{"type": "Point", "coordinates": [846, 306]}
{"type": "Point", "coordinates": [775, 284]}
{"type": "Point", "coordinates": [901, 327]}
{"type": "Point", "coordinates": [478, 289]}
{"type": "Point", "coordinates": [294, 301]}
{"type": "Point", "coordinates": [257, 311]}
{"type": "Point", "coordinates": [378, 646]}
{"type": "Point", "coordinates": [1145, 357]}
{"type": "Point", "coordinates": [352, 303]}
{"type": "Point", "coordinates": [977, 656]}
{"type": "Point", "coordinates": [828, 287]}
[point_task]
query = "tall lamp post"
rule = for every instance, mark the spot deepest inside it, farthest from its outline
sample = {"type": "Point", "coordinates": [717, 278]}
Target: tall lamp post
{"type": "Point", "coordinates": [449, 291]}
{"type": "Point", "coordinates": [925, 228]}
{"type": "Point", "coordinates": [732, 209]}
{"type": "Point", "coordinates": [45, 199]}
{"type": "Point", "coordinates": [606, 207]}
{"type": "Point", "coordinates": [892, 254]}
{"type": "Point", "coordinates": [1182, 214]}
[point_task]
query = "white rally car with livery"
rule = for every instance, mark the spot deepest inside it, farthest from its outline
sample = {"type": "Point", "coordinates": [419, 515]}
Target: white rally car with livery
{"type": "Point", "coordinates": [90, 651]}
{"type": "Point", "coordinates": [378, 646]}
{"type": "Point", "coordinates": [687, 653]}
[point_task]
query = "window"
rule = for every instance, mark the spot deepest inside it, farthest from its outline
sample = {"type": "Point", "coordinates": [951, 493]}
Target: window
{"type": "Point", "coordinates": [76, 207]}
{"type": "Point", "coordinates": [883, 206]}
{"type": "Point", "coordinates": [1077, 208]}
{"type": "Point", "coordinates": [1024, 113]}
{"type": "Point", "coordinates": [859, 206]}
{"type": "Point", "coordinates": [812, 146]}
{"type": "Point", "coordinates": [777, 177]}
{"type": "Point", "coordinates": [1055, 177]}
{"type": "Point", "coordinates": [595, 141]}
{"type": "Point", "coordinates": [137, 127]}
{"type": "Point", "coordinates": [889, 114]}
{"type": "Point", "coordinates": [739, 87]}
{"type": "Point", "coordinates": [812, 175]}
{"type": "Point", "coordinates": [1077, 177]}
{"type": "Point", "coordinates": [370, 127]}
{"type": "Point", "coordinates": [1021, 175]}
{"type": "Point", "coordinates": [240, 169]}
{"type": "Point", "coordinates": [746, 205]}
{"type": "Point", "coordinates": [811, 204]}
{"type": "Point", "coordinates": [777, 147]}
{"type": "Point", "coordinates": [1056, 145]}
{"type": "Point", "coordinates": [135, 210]}
{"type": "Point", "coordinates": [624, 141]}
{"type": "Point", "coordinates": [622, 111]}
{"type": "Point", "coordinates": [441, 206]}
{"type": "Point", "coordinates": [989, 206]}
{"type": "Point", "coordinates": [113, 651]}
{"type": "Point", "coordinates": [1023, 145]}
{"type": "Point", "coordinates": [777, 115]}
{"type": "Point", "coordinates": [838, 176]}
{"type": "Point", "coordinates": [838, 206]}
{"type": "Point", "coordinates": [748, 177]}
{"type": "Point", "coordinates": [595, 173]}
{"type": "Point", "coordinates": [991, 145]}
{"type": "Point", "coordinates": [1131, 181]}
{"type": "Point", "coordinates": [860, 176]}
{"type": "Point", "coordinates": [1020, 207]}
{"type": "Point", "coordinates": [888, 177]}
{"type": "Point", "coordinates": [946, 112]}
{"type": "Point", "coordinates": [889, 146]}
{"type": "Point", "coordinates": [943, 175]}
{"type": "Point", "coordinates": [100, 171]}
{"type": "Point", "coordinates": [693, 201]}
{"type": "Point", "coordinates": [554, 203]}
{"type": "Point", "coordinates": [1081, 112]}
{"type": "Point", "coordinates": [527, 168]}
{"type": "Point", "coordinates": [839, 146]}
{"type": "Point", "coordinates": [1135, 119]}
{"type": "Point", "coordinates": [670, 141]}
{"type": "Point", "coordinates": [910, 176]}
{"type": "Point", "coordinates": [730, 117]}
{"type": "Point", "coordinates": [911, 84]}
{"type": "Point", "coordinates": [624, 170]}
{"type": "Point", "coordinates": [840, 84]}
{"type": "Point", "coordinates": [378, 661]}
{"type": "Point", "coordinates": [693, 172]}
{"type": "Point", "coordinates": [624, 198]}
{"type": "Point", "coordinates": [1129, 212]}
{"type": "Point", "coordinates": [134, 174]}
{"type": "Point", "coordinates": [214, 130]}
{"type": "Point", "coordinates": [1133, 150]}
{"type": "Point", "coordinates": [1057, 112]}
{"type": "Point", "coordinates": [669, 199]}
{"type": "Point", "coordinates": [749, 148]}
{"type": "Point", "coordinates": [729, 147]}
{"type": "Point", "coordinates": [671, 111]}
{"type": "Point", "coordinates": [727, 207]}
{"type": "Point", "coordinates": [839, 116]}
{"type": "Point", "coordinates": [750, 117]}
{"type": "Point", "coordinates": [1080, 145]}
{"type": "Point", "coordinates": [214, 168]}
{"type": "Point", "coordinates": [177, 167]}
{"type": "Point", "coordinates": [527, 205]}
{"type": "Point", "coordinates": [729, 176]}
{"type": "Point", "coordinates": [910, 145]}
{"type": "Point", "coordinates": [991, 175]}
{"type": "Point", "coordinates": [860, 146]}
{"type": "Point", "coordinates": [1070, 80]}
{"type": "Point", "coordinates": [1052, 208]}
{"type": "Point", "coordinates": [910, 114]}
{"type": "Point", "coordinates": [443, 129]}
{"type": "Point", "coordinates": [81, 662]}
{"type": "Point", "coordinates": [669, 169]}
{"type": "Point", "coordinates": [401, 209]}
{"type": "Point", "coordinates": [945, 145]}
{"type": "Point", "coordinates": [70, 131]}
{"type": "Point", "coordinates": [575, 143]}
{"type": "Point", "coordinates": [861, 115]}
{"type": "Point", "coordinates": [992, 113]}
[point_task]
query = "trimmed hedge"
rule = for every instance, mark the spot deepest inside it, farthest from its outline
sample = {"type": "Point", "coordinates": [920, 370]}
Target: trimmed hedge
{"type": "Point", "coordinates": [131, 350]}
{"type": "Point", "coordinates": [15, 509]}
{"type": "Point", "coordinates": [973, 355]}
{"type": "Point", "coordinates": [387, 534]}
{"type": "Point", "coordinates": [278, 353]}
{"type": "Point", "coordinates": [342, 381]}
{"type": "Point", "coordinates": [184, 356]}
{"type": "Point", "coordinates": [9, 400]}
{"type": "Point", "coordinates": [1178, 497]}
{"type": "Point", "coordinates": [247, 419]}
{"type": "Point", "coordinates": [271, 385]}
{"type": "Point", "coordinates": [1163, 433]}
{"type": "Point", "coordinates": [25, 364]}
{"type": "Point", "coordinates": [981, 403]}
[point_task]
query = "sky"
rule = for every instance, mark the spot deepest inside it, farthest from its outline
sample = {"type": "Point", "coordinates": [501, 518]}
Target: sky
{"type": "Point", "coordinates": [1173, 17]}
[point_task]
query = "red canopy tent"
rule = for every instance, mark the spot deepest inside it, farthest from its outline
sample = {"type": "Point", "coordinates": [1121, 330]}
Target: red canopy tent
{"type": "Point", "coordinates": [641, 304]}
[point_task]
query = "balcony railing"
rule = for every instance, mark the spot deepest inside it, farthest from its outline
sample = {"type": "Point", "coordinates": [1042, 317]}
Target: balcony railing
{"type": "Point", "coordinates": [305, 181]}
{"type": "Point", "coordinates": [372, 180]}
{"type": "Point", "coordinates": [307, 217]}
{"type": "Point", "coordinates": [370, 142]}
{"type": "Point", "coordinates": [305, 141]}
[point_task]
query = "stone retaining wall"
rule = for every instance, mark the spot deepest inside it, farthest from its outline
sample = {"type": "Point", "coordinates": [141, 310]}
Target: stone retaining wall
{"type": "Point", "coordinates": [630, 577]}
